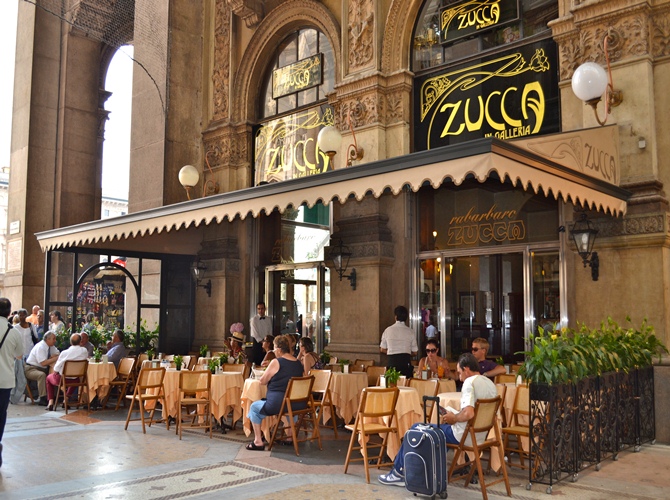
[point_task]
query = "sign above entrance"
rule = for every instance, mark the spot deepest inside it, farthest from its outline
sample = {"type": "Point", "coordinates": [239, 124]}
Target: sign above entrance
{"type": "Point", "coordinates": [506, 96]}
{"type": "Point", "coordinates": [300, 75]}
{"type": "Point", "coordinates": [474, 16]}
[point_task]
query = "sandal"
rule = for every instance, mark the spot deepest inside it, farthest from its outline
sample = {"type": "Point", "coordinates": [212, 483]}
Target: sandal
{"type": "Point", "coordinates": [254, 447]}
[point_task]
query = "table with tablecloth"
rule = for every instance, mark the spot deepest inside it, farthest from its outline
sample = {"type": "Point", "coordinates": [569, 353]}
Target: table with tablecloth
{"type": "Point", "coordinates": [99, 376]}
{"type": "Point", "coordinates": [253, 391]}
{"type": "Point", "coordinates": [227, 394]}
{"type": "Point", "coordinates": [345, 389]}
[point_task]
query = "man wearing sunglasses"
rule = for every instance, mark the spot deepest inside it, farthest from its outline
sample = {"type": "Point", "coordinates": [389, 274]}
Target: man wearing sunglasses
{"type": "Point", "coordinates": [480, 347]}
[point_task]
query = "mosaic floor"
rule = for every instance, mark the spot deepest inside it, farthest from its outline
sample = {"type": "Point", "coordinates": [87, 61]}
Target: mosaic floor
{"type": "Point", "coordinates": [48, 455]}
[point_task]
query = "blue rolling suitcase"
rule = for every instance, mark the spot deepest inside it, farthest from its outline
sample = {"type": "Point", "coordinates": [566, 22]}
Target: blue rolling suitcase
{"type": "Point", "coordinates": [426, 458]}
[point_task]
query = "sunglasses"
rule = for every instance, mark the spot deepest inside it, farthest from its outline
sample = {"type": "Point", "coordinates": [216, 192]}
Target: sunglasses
{"type": "Point", "coordinates": [431, 350]}
{"type": "Point", "coordinates": [475, 349]}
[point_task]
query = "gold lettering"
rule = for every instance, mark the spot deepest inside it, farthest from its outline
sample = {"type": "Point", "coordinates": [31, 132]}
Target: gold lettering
{"type": "Point", "coordinates": [478, 124]}
{"type": "Point", "coordinates": [506, 117]}
{"type": "Point", "coordinates": [494, 125]}
{"type": "Point", "coordinates": [454, 107]}
{"type": "Point", "coordinates": [536, 104]}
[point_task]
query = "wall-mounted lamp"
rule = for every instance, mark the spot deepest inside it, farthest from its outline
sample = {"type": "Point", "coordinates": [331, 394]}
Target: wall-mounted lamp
{"type": "Point", "coordinates": [189, 177]}
{"type": "Point", "coordinates": [329, 141]}
{"type": "Point", "coordinates": [340, 256]}
{"type": "Point", "coordinates": [590, 81]}
{"type": "Point", "coordinates": [584, 235]}
{"type": "Point", "coordinates": [198, 269]}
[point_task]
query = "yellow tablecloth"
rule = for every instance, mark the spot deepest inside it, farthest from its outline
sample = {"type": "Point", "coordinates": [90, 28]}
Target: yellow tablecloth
{"type": "Point", "coordinates": [226, 395]}
{"type": "Point", "coordinates": [346, 389]}
{"type": "Point", "coordinates": [409, 411]}
{"type": "Point", "coordinates": [253, 391]}
{"type": "Point", "coordinates": [99, 375]}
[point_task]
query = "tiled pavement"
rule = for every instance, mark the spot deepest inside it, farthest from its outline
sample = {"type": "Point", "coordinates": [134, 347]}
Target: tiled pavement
{"type": "Point", "coordinates": [50, 455]}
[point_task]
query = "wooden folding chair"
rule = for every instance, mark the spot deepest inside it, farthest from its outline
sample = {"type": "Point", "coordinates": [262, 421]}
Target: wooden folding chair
{"type": "Point", "coordinates": [195, 392]}
{"type": "Point", "coordinates": [376, 415]}
{"type": "Point", "coordinates": [426, 388]}
{"type": "Point", "coordinates": [149, 387]}
{"type": "Point", "coordinates": [323, 397]}
{"type": "Point", "coordinates": [373, 374]}
{"type": "Point", "coordinates": [227, 367]}
{"type": "Point", "coordinates": [476, 439]}
{"type": "Point", "coordinates": [28, 393]}
{"type": "Point", "coordinates": [518, 429]}
{"type": "Point", "coordinates": [505, 378]}
{"type": "Point", "coordinates": [74, 376]}
{"type": "Point", "coordinates": [298, 393]}
{"type": "Point", "coordinates": [361, 364]}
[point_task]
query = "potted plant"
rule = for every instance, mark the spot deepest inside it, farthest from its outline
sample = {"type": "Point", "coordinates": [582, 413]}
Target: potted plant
{"type": "Point", "coordinates": [325, 357]}
{"type": "Point", "coordinates": [203, 351]}
{"type": "Point", "coordinates": [223, 358]}
{"type": "Point", "coordinates": [392, 375]}
{"type": "Point", "coordinates": [150, 354]}
{"type": "Point", "coordinates": [178, 361]}
{"type": "Point", "coordinates": [344, 363]}
{"type": "Point", "coordinates": [97, 355]}
{"type": "Point", "coordinates": [212, 364]}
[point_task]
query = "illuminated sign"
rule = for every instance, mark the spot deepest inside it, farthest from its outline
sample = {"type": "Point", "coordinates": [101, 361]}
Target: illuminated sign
{"type": "Point", "coordinates": [286, 148]}
{"type": "Point", "coordinates": [300, 75]}
{"type": "Point", "coordinates": [506, 96]}
{"type": "Point", "coordinates": [473, 16]}
{"type": "Point", "coordinates": [491, 226]}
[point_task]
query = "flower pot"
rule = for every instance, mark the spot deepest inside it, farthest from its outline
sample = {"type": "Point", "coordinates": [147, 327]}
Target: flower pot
{"type": "Point", "coordinates": [231, 361]}
{"type": "Point", "coordinates": [391, 384]}
{"type": "Point", "coordinates": [178, 368]}
{"type": "Point", "coordinates": [345, 368]}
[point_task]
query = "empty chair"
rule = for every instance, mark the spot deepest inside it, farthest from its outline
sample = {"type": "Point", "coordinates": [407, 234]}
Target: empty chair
{"type": "Point", "coordinates": [74, 375]}
{"type": "Point", "coordinates": [361, 364]}
{"type": "Point", "coordinates": [123, 378]}
{"type": "Point", "coordinates": [322, 397]}
{"type": "Point", "coordinates": [149, 387]}
{"type": "Point", "coordinates": [446, 385]}
{"type": "Point", "coordinates": [298, 393]}
{"type": "Point", "coordinates": [243, 369]}
{"type": "Point", "coordinates": [505, 378]}
{"type": "Point", "coordinates": [376, 415]}
{"type": "Point", "coordinates": [373, 374]}
{"type": "Point", "coordinates": [195, 397]}
{"type": "Point", "coordinates": [476, 439]}
{"type": "Point", "coordinates": [518, 427]}
{"type": "Point", "coordinates": [426, 388]}
{"type": "Point", "coordinates": [186, 362]}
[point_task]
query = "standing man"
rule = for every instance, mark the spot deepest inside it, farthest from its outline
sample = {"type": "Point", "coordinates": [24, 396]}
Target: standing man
{"type": "Point", "coordinates": [11, 348]}
{"type": "Point", "coordinates": [453, 425]}
{"type": "Point", "coordinates": [43, 356]}
{"type": "Point", "coordinates": [33, 318]}
{"type": "Point", "coordinates": [480, 346]}
{"type": "Point", "coordinates": [399, 343]}
{"type": "Point", "coordinates": [261, 327]}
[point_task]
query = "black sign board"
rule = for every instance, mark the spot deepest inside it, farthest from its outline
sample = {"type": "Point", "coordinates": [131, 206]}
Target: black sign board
{"type": "Point", "coordinates": [474, 16]}
{"type": "Point", "coordinates": [507, 96]}
{"type": "Point", "coordinates": [300, 75]}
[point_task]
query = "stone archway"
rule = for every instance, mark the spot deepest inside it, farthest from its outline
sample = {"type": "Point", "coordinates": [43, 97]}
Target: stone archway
{"type": "Point", "coordinates": [398, 35]}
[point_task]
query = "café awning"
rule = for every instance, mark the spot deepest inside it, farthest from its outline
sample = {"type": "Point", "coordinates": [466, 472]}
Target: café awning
{"type": "Point", "coordinates": [176, 228]}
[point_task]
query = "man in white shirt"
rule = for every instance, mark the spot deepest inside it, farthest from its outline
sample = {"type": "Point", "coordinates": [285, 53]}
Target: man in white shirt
{"type": "Point", "coordinates": [260, 326]}
{"type": "Point", "coordinates": [11, 348]}
{"type": "Point", "coordinates": [399, 343]}
{"type": "Point", "coordinates": [475, 387]}
{"type": "Point", "coordinates": [73, 353]}
{"type": "Point", "coordinates": [43, 356]}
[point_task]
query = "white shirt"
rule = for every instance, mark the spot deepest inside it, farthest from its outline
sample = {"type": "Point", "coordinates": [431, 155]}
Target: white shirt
{"type": "Point", "coordinates": [399, 339]}
{"type": "Point", "coordinates": [431, 332]}
{"type": "Point", "coordinates": [40, 353]}
{"type": "Point", "coordinates": [26, 338]}
{"type": "Point", "coordinates": [11, 349]}
{"type": "Point", "coordinates": [260, 328]}
{"type": "Point", "coordinates": [474, 388]}
{"type": "Point", "coordinates": [72, 353]}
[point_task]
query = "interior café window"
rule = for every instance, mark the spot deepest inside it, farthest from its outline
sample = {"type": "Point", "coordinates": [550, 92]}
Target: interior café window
{"type": "Point", "coordinates": [448, 30]}
{"type": "Point", "coordinates": [487, 214]}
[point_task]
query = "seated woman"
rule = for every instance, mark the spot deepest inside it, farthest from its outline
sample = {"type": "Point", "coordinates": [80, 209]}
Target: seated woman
{"type": "Point", "coordinates": [268, 347]}
{"type": "Point", "coordinates": [437, 366]}
{"type": "Point", "coordinates": [307, 356]}
{"type": "Point", "coordinates": [277, 375]}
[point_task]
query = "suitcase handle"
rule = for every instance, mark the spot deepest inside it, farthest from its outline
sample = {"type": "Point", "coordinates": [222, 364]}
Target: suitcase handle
{"type": "Point", "coordinates": [436, 400]}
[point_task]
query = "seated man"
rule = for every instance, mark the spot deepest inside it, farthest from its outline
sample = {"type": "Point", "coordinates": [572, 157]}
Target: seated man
{"type": "Point", "coordinates": [480, 347]}
{"type": "Point", "coordinates": [73, 353]}
{"type": "Point", "coordinates": [453, 424]}
{"type": "Point", "coordinates": [86, 344]}
{"type": "Point", "coordinates": [42, 356]}
{"type": "Point", "coordinates": [116, 351]}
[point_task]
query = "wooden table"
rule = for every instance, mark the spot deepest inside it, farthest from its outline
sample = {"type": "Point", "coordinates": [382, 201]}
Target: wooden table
{"type": "Point", "coordinates": [99, 375]}
{"type": "Point", "coordinates": [346, 389]}
{"type": "Point", "coordinates": [253, 391]}
{"type": "Point", "coordinates": [409, 411]}
{"type": "Point", "coordinates": [227, 394]}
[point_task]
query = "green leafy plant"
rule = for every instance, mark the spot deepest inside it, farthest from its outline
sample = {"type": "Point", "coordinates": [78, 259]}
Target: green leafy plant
{"type": "Point", "coordinates": [212, 364]}
{"type": "Point", "coordinates": [151, 354]}
{"type": "Point", "coordinates": [223, 358]}
{"type": "Point", "coordinates": [392, 375]}
{"type": "Point", "coordinates": [344, 362]}
{"type": "Point", "coordinates": [325, 357]}
{"type": "Point", "coordinates": [148, 338]}
{"type": "Point", "coordinates": [203, 350]}
{"type": "Point", "coordinates": [178, 361]}
{"type": "Point", "coordinates": [500, 361]}
{"type": "Point", "coordinates": [97, 355]}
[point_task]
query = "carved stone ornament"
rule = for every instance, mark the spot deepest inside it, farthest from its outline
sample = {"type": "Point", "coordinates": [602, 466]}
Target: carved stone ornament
{"type": "Point", "coordinates": [226, 148]}
{"type": "Point", "coordinates": [251, 11]}
{"type": "Point", "coordinates": [361, 20]}
{"type": "Point", "coordinates": [221, 71]}
{"type": "Point", "coordinates": [661, 34]}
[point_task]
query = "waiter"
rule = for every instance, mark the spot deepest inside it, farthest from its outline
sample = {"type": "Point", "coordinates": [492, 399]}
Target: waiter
{"type": "Point", "coordinates": [261, 327]}
{"type": "Point", "coordinates": [399, 343]}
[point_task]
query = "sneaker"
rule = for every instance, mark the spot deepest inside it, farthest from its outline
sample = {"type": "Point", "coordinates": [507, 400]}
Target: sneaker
{"type": "Point", "coordinates": [392, 478]}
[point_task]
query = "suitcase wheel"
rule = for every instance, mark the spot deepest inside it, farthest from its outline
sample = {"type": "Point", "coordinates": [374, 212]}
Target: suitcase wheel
{"type": "Point", "coordinates": [443, 494]}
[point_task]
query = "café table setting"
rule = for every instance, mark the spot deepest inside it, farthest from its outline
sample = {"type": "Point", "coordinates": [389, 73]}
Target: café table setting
{"type": "Point", "coordinates": [99, 376]}
{"type": "Point", "coordinates": [346, 389]}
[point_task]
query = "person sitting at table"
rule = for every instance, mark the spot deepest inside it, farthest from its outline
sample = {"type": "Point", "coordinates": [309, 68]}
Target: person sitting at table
{"type": "Point", "coordinates": [42, 357]}
{"type": "Point", "coordinates": [116, 351]}
{"type": "Point", "coordinates": [453, 425]}
{"type": "Point", "coordinates": [86, 344]}
{"type": "Point", "coordinates": [293, 343]}
{"type": "Point", "coordinates": [237, 345]}
{"type": "Point", "coordinates": [73, 353]}
{"type": "Point", "coordinates": [277, 375]}
{"type": "Point", "coordinates": [268, 345]}
{"type": "Point", "coordinates": [308, 357]}
{"type": "Point", "coordinates": [487, 367]}
{"type": "Point", "coordinates": [437, 366]}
